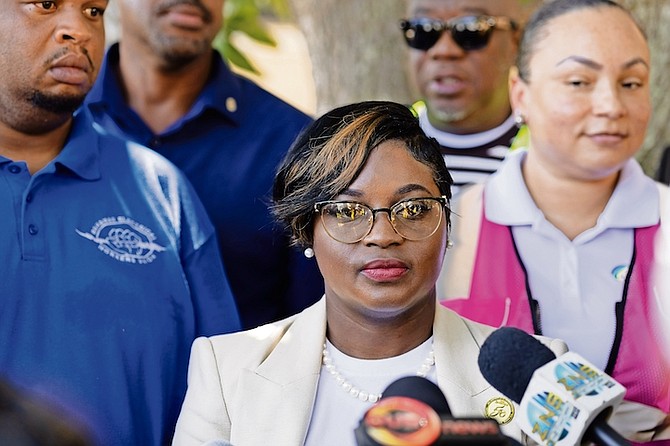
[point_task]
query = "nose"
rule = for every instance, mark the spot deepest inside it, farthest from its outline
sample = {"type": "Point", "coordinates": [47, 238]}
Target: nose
{"type": "Point", "coordinates": [446, 48]}
{"type": "Point", "coordinates": [607, 100]}
{"type": "Point", "coordinates": [73, 26]}
{"type": "Point", "coordinates": [382, 232]}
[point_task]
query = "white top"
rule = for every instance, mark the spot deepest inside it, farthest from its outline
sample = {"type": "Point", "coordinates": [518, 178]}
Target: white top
{"type": "Point", "coordinates": [336, 414]}
{"type": "Point", "coordinates": [578, 282]}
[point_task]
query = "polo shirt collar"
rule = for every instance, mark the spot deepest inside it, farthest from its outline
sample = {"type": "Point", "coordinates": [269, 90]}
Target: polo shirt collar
{"type": "Point", "coordinates": [81, 154]}
{"type": "Point", "coordinates": [508, 202]}
{"type": "Point", "coordinates": [222, 92]}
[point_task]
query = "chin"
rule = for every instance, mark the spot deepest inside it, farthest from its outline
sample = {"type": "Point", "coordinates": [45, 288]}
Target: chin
{"type": "Point", "coordinates": [177, 51]}
{"type": "Point", "coordinates": [57, 104]}
{"type": "Point", "coordinates": [448, 115]}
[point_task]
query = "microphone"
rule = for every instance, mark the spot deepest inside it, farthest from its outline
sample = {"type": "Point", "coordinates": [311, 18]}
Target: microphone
{"type": "Point", "coordinates": [414, 412]}
{"type": "Point", "coordinates": [562, 401]}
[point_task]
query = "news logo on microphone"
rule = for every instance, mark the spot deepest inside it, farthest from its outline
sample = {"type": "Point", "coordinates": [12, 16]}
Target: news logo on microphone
{"type": "Point", "coordinates": [563, 398]}
{"type": "Point", "coordinates": [413, 411]}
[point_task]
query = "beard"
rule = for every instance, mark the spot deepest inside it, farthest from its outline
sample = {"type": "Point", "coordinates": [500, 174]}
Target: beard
{"type": "Point", "coordinates": [449, 116]}
{"type": "Point", "coordinates": [179, 51]}
{"type": "Point", "coordinates": [35, 112]}
{"type": "Point", "coordinates": [55, 104]}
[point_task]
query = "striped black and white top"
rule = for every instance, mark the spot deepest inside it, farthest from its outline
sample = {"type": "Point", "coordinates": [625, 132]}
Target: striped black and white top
{"type": "Point", "coordinates": [471, 158]}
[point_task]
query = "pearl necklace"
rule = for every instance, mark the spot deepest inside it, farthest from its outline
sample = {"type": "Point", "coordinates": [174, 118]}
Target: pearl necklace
{"type": "Point", "coordinates": [355, 392]}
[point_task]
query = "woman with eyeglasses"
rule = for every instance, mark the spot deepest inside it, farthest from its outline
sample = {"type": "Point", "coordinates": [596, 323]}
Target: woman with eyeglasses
{"type": "Point", "coordinates": [560, 241]}
{"type": "Point", "coordinates": [366, 193]}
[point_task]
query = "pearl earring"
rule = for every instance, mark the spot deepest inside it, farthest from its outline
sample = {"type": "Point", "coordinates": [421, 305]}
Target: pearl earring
{"type": "Point", "coordinates": [309, 253]}
{"type": "Point", "coordinates": [519, 120]}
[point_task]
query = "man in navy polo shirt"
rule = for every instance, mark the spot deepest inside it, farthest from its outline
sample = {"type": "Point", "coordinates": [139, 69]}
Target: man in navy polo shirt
{"type": "Point", "coordinates": [165, 87]}
{"type": "Point", "coordinates": [110, 266]}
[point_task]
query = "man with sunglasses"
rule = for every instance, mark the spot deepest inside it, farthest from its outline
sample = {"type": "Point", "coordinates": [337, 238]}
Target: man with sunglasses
{"type": "Point", "coordinates": [460, 55]}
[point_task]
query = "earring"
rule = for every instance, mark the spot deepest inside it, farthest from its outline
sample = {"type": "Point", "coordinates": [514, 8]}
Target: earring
{"type": "Point", "coordinates": [519, 120]}
{"type": "Point", "coordinates": [309, 253]}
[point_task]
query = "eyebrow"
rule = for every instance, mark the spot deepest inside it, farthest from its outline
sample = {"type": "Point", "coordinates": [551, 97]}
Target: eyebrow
{"type": "Point", "coordinates": [596, 66]}
{"type": "Point", "coordinates": [422, 10]}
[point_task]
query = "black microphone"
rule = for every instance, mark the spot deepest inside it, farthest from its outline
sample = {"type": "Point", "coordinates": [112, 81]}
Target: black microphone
{"type": "Point", "coordinates": [562, 401]}
{"type": "Point", "coordinates": [414, 411]}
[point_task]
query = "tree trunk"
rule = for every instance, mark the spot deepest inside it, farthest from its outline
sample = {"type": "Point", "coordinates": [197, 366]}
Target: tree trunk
{"type": "Point", "coordinates": [357, 53]}
{"type": "Point", "coordinates": [654, 17]}
{"type": "Point", "coordinates": [356, 50]}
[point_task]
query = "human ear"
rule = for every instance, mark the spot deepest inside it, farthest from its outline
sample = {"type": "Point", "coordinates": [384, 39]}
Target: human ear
{"type": "Point", "coordinates": [518, 93]}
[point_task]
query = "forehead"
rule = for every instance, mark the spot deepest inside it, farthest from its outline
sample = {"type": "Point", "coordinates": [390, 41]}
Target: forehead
{"type": "Point", "coordinates": [510, 8]}
{"type": "Point", "coordinates": [391, 166]}
{"type": "Point", "coordinates": [604, 34]}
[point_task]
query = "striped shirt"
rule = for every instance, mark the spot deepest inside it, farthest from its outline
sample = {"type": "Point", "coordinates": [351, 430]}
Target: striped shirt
{"type": "Point", "coordinates": [471, 158]}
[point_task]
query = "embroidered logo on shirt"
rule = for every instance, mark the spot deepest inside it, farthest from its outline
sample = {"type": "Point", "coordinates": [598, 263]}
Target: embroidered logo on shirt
{"type": "Point", "coordinates": [124, 239]}
{"type": "Point", "coordinates": [620, 272]}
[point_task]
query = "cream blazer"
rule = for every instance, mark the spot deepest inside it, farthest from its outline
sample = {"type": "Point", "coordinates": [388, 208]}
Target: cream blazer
{"type": "Point", "coordinates": [258, 387]}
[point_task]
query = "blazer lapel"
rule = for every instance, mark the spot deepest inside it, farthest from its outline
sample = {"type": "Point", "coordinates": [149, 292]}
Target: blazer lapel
{"type": "Point", "coordinates": [456, 352]}
{"type": "Point", "coordinates": [288, 380]}
{"type": "Point", "coordinates": [457, 345]}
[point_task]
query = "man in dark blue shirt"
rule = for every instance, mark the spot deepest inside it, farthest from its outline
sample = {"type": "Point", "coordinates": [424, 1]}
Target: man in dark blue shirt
{"type": "Point", "coordinates": [165, 87]}
{"type": "Point", "coordinates": [110, 264]}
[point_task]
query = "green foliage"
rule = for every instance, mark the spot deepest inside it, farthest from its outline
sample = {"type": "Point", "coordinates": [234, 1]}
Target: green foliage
{"type": "Point", "coordinates": [245, 16]}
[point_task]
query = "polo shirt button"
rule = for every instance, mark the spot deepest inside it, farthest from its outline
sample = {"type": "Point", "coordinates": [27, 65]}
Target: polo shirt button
{"type": "Point", "coordinates": [29, 198]}
{"type": "Point", "coordinates": [14, 169]}
{"type": "Point", "coordinates": [155, 142]}
{"type": "Point", "coordinates": [32, 229]}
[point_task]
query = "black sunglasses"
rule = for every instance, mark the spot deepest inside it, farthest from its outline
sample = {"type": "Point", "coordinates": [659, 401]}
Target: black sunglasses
{"type": "Point", "coordinates": [469, 32]}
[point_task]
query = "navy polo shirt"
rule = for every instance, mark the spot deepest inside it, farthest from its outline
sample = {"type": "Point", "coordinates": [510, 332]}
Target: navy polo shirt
{"type": "Point", "coordinates": [229, 145]}
{"type": "Point", "coordinates": [110, 270]}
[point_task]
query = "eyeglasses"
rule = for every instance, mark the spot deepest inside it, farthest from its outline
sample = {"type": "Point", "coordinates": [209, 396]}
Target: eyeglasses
{"type": "Point", "coordinates": [469, 32]}
{"type": "Point", "coordinates": [351, 222]}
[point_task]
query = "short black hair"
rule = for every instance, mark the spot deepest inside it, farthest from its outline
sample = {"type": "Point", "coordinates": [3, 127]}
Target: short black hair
{"type": "Point", "coordinates": [330, 153]}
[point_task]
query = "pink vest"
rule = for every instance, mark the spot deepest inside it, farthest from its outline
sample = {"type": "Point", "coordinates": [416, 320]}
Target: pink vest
{"type": "Point", "coordinates": [500, 295]}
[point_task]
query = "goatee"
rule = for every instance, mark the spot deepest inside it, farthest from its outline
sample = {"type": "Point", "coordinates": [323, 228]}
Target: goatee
{"type": "Point", "coordinates": [58, 105]}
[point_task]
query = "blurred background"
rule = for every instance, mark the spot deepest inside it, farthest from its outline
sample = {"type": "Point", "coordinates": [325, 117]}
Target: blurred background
{"type": "Point", "coordinates": [319, 54]}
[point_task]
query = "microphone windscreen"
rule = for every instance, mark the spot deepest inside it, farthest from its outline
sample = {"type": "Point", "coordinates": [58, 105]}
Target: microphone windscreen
{"type": "Point", "coordinates": [508, 358]}
{"type": "Point", "coordinates": [420, 389]}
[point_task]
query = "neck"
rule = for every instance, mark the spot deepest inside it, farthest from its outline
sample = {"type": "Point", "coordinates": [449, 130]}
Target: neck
{"type": "Point", "coordinates": [365, 337]}
{"type": "Point", "coordinates": [36, 150]}
{"type": "Point", "coordinates": [470, 124]}
{"type": "Point", "coordinates": [158, 94]}
{"type": "Point", "coordinates": [571, 205]}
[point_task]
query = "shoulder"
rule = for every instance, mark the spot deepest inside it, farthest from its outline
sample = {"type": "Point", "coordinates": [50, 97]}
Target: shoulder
{"type": "Point", "coordinates": [268, 344]}
{"type": "Point", "coordinates": [117, 153]}
{"type": "Point", "coordinates": [147, 165]}
{"type": "Point", "coordinates": [156, 176]}
{"type": "Point", "coordinates": [245, 349]}
{"type": "Point", "coordinates": [266, 106]}
{"type": "Point", "coordinates": [479, 332]}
